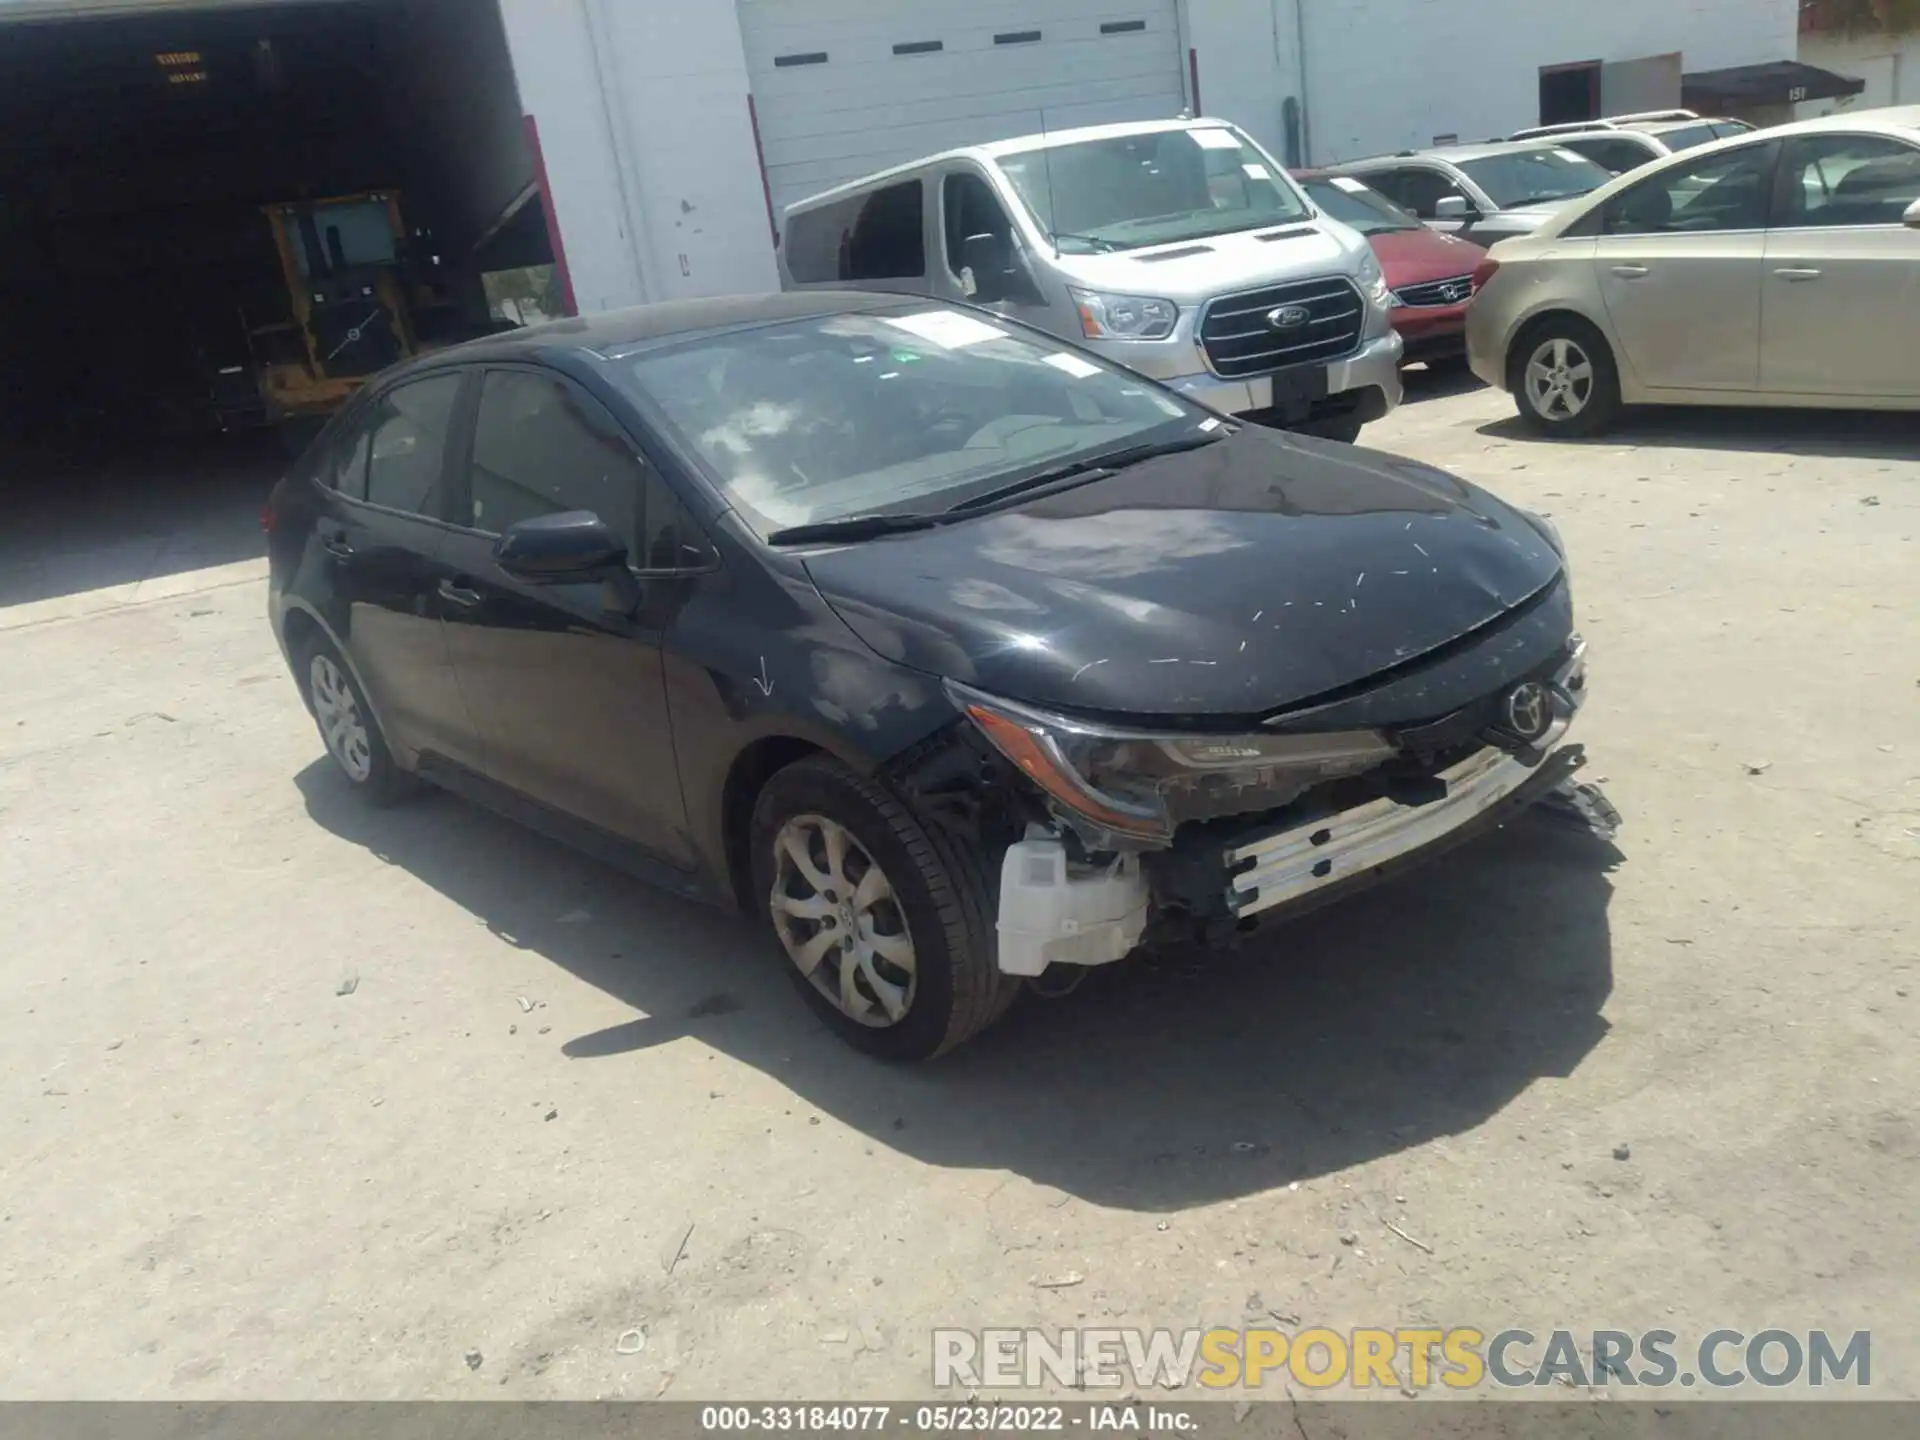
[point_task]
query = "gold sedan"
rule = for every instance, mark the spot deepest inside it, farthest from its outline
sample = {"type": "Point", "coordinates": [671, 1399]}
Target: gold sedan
{"type": "Point", "coordinates": [1776, 268]}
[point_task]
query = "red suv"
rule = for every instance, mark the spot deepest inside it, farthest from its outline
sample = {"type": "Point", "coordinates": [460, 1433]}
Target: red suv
{"type": "Point", "coordinates": [1430, 274]}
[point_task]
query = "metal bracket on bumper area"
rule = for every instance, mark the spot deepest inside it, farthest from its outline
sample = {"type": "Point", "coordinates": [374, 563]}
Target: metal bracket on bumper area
{"type": "Point", "coordinates": [1355, 844]}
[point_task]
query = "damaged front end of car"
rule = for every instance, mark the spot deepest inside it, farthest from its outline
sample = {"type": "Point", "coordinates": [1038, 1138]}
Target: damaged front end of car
{"type": "Point", "coordinates": [1118, 837]}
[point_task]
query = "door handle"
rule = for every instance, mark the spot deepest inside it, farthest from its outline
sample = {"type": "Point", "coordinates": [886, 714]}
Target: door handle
{"type": "Point", "coordinates": [459, 594]}
{"type": "Point", "coordinates": [1797, 272]}
{"type": "Point", "coordinates": [337, 547]}
{"type": "Point", "coordinates": [1631, 272]}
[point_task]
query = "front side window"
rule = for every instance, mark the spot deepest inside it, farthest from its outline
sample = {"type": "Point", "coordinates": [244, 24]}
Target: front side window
{"type": "Point", "coordinates": [1416, 189]}
{"type": "Point", "coordinates": [1723, 191]}
{"type": "Point", "coordinates": [1534, 177]}
{"type": "Point", "coordinates": [540, 447]}
{"type": "Point", "coordinates": [1688, 136]}
{"type": "Point", "coordinates": [970, 207]}
{"type": "Point", "coordinates": [1831, 180]}
{"type": "Point", "coordinates": [407, 452]}
{"type": "Point", "coordinates": [1357, 207]}
{"type": "Point", "coordinates": [1157, 188]}
{"type": "Point", "coordinates": [819, 419]}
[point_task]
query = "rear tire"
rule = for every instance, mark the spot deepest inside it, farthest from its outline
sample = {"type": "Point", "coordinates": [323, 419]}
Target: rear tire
{"type": "Point", "coordinates": [886, 925]}
{"type": "Point", "coordinates": [1563, 377]}
{"type": "Point", "coordinates": [348, 728]}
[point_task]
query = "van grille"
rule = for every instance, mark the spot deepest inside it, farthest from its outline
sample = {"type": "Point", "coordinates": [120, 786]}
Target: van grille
{"type": "Point", "coordinates": [1239, 341]}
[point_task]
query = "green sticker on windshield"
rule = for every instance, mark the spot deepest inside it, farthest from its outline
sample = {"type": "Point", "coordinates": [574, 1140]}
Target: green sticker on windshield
{"type": "Point", "coordinates": [904, 357]}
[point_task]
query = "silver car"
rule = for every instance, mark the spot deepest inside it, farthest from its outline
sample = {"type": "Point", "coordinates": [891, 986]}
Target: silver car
{"type": "Point", "coordinates": [1777, 268]}
{"type": "Point", "coordinates": [1483, 193]}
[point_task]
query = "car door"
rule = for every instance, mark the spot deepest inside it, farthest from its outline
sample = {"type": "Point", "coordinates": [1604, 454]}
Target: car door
{"type": "Point", "coordinates": [564, 680]}
{"type": "Point", "coordinates": [1677, 264]}
{"type": "Point", "coordinates": [378, 540]}
{"type": "Point", "coordinates": [1840, 305]}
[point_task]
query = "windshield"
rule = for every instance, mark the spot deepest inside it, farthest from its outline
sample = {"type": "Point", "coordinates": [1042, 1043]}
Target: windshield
{"type": "Point", "coordinates": [1357, 207]}
{"type": "Point", "coordinates": [1530, 177]}
{"type": "Point", "coordinates": [1153, 189]}
{"type": "Point", "coordinates": [841, 415]}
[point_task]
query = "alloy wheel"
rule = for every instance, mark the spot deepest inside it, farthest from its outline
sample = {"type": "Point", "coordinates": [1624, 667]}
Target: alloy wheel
{"type": "Point", "coordinates": [341, 724]}
{"type": "Point", "coordinates": [1559, 379]}
{"type": "Point", "coordinates": [840, 922]}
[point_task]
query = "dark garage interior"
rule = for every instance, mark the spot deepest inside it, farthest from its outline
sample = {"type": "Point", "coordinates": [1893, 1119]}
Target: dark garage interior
{"type": "Point", "coordinates": [142, 288]}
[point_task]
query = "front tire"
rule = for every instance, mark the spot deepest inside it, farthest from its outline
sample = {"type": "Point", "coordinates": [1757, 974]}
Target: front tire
{"type": "Point", "coordinates": [1563, 378]}
{"type": "Point", "coordinates": [348, 728]}
{"type": "Point", "coordinates": [885, 925]}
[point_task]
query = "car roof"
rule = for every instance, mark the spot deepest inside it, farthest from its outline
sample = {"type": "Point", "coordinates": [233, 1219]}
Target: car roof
{"type": "Point", "coordinates": [997, 149]}
{"type": "Point", "coordinates": [615, 330]}
{"type": "Point", "coordinates": [1454, 154]}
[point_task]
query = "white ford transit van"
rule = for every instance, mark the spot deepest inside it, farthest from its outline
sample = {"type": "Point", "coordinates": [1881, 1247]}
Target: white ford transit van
{"type": "Point", "coordinates": [1177, 247]}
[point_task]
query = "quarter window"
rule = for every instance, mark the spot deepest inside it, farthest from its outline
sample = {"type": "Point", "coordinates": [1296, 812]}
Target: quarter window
{"type": "Point", "coordinates": [406, 455]}
{"type": "Point", "coordinates": [1831, 180]}
{"type": "Point", "coordinates": [540, 447]}
{"type": "Point", "coordinates": [1723, 191]}
{"type": "Point", "coordinates": [878, 235]}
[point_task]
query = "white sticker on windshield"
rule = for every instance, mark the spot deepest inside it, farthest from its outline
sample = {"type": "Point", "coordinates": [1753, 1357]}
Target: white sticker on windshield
{"type": "Point", "coordinates": [948, 328]}
{"type": "Point", "coordinates": [1349, 184]}
{"type": "Point", "coordinates": [1215, 139]}
{"type": "Point", "coordinates": [1573, 155]}
{"type": "Point", "coordinates": [1209, 425]}
{"type": "Point", "coordinates": [1257, 172]}
{"type": "Point", "coordinates": [1072, 365]}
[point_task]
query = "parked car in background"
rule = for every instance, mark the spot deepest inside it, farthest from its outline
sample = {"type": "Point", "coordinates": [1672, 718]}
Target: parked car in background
{"type": "Point", "coordinates": [1430, 274]}
{"type": "Point", "coordinates": [1725, 126]}
{"type": "Point", "coordinates": [1776, 268]}
{"type": "Point", "coordinates": [1483, 193]}
{"type": "Point", "coordinates": [1177, 247]}
{"type": "Point", "coordinates": [946, 650]}
{"type": "Point", "coordinates": [1630, 144]}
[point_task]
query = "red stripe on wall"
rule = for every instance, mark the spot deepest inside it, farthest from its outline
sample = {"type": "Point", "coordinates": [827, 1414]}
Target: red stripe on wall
{"type": "Point", "coordinates": [766, 185]}
{"type": "Point", "coordinates": [558, 245]}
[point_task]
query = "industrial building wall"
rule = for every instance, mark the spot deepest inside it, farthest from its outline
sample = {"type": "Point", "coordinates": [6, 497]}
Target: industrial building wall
{"type": "Point", "coordinates": [1394, 74]}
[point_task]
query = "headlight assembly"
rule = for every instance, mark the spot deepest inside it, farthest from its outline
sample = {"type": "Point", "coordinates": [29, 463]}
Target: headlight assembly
{"type": "Point", "coordinates": [1124, 317]}
{"type": "Point", "coordinates": [1373, 281]}
{"type": "Point", "coordinates": [1142, 785]}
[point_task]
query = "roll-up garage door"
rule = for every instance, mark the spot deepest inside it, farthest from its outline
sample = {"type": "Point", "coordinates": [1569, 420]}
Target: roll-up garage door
{"type": "Point", "coordinates": [846, 87]}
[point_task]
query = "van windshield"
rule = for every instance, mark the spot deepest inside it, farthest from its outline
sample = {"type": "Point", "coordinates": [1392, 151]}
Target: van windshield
{"type": "Point", "coordinates": [1128, 191]}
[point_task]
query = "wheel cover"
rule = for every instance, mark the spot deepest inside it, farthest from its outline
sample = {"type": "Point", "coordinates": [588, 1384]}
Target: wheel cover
{"type": "Point", "coordinates": [338, 712]}
{"type": "Point", "coordinates": [839, 921]}
{"type": "Point", "coordinates": [1559, 379]}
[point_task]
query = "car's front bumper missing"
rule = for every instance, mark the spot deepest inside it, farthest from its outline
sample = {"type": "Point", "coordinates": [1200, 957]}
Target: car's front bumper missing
{"type": "Point", "coordinates": [1349, 848]}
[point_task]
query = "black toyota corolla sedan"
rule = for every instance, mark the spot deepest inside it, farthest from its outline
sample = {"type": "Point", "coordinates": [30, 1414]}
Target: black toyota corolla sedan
{"type": "Point", "coordinates": [955, 654]}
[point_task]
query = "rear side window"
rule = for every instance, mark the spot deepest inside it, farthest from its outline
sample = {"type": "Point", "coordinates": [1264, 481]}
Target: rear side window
{"type": "Point", "coordinates": [406, 446]}
{"type": "Point", "coordinates": [541, 447]}
{"type": "Point", "coordinates": [1612, 153]}
{"type": "Point", "coordinates": [1835, 180]}
{"type": "Point", "coordinates": [876, 236]}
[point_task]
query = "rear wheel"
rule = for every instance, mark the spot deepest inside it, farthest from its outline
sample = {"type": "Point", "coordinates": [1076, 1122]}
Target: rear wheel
{"type": "Point", "coordinates": [348, 728]}
{"type": "Point", "coordinates": [887, 925]}
{"type": "Point", "coordinates": [1562, 375]}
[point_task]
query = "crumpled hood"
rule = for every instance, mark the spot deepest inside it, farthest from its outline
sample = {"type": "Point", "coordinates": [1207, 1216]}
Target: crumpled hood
{"type": "Point", "coordinates": [1248, 576]}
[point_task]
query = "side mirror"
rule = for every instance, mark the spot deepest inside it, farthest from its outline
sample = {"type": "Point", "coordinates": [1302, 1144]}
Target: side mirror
{"type": "Point", "coordinates": [1911, 219]}
{"type": "Point", "coordinates": [1451, 207]}
{"type": "Point", "coordinates": [990, 258]}
{"type": "Point", "coordinates": [555, 549]}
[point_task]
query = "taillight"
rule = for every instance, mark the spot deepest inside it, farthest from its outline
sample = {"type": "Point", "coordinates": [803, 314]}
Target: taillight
{"type": "Point", "coordinates": [1483, 272]}
{"type": "Point", "coordinates": [267, 517]}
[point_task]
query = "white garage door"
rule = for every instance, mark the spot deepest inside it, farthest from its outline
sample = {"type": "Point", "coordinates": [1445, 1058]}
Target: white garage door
{"type": "Point", "coordinates": [846, 87]}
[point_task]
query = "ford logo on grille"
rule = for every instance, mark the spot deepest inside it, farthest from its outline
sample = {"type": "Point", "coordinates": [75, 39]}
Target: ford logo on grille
{"type": "Point", "coordinates": [1289, 317]}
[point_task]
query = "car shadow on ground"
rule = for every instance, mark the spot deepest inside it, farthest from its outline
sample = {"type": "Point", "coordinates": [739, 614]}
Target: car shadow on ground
{"type": "Point", "coordinates": [1425, 381]}
{"type": "Point", "coordinates": [1416, 1010]}
{"type": "Point", "coordinates": [1837, 434]}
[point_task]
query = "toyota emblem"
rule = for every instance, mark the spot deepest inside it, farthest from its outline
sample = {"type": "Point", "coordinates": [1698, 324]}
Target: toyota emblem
{"type": "Point", "coordinates": [1289, 317]}
{"type": "Point", "coordinates": [1529, 710]}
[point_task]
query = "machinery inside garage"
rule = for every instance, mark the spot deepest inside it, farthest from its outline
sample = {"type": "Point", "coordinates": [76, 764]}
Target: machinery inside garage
{"type": "Point", "coordinates": [214, 218]}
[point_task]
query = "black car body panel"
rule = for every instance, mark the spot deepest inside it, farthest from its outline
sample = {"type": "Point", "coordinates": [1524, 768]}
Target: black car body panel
{"type": "Point", "coordinates": [1253, 575]}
